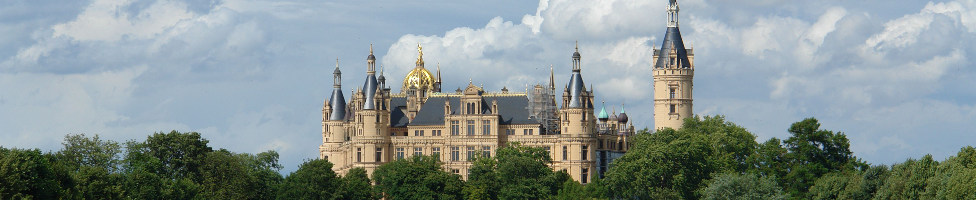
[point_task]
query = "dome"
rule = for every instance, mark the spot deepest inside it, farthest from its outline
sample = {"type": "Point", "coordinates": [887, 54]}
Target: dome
{"type": "Point", "coordinates": [371, 57]}
{"type": "Point", "coordinates": [576, 55]}
{"type": "Point", "coordinates": [622, 118]}
{"type": "Point", "coordinates": [419, 78]}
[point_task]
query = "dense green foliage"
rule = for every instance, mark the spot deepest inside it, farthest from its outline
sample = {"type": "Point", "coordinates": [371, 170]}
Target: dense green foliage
{"type": "Point", "coordinates": [417, 177]}
{"type": "Point", "coordinates": [707, 158]}
{"type": "Point", "coordinates": [516, 172]}
{"type": "Point", "coordinates": [728, 186]}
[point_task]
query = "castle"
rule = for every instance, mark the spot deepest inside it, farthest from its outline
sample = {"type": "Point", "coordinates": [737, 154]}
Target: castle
{"type": "Point", "coordinates": [377, 126]}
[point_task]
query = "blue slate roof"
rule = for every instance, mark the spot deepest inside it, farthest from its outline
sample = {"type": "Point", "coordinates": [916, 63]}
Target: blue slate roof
{"type": "Point", "coordinates": [672, 39]}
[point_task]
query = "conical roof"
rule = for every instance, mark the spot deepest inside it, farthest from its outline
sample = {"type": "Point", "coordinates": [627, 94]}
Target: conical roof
{"type": "Point", "coordinates": [603, 114]}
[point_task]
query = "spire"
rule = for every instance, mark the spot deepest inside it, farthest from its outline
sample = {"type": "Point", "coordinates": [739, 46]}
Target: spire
{"type": "Point", "coordinates": [420, 55]}
{"type": "Point", "coordinates": [370, 86]}
{"type": "Point", "coordinates": [576, 85]}
{"type": "Point", "coordinates": [673, 14]}
{"type": "Point", "coordinates": [673, 53]}
{"type": "Point", "coordinates": [337, 101]}
{"type": "Point", "coordinates": [552, 81]}
{"type": "Point", "coordinates": [438, 72]}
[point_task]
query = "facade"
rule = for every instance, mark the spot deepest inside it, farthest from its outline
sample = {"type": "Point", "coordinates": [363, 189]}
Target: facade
{"type": "Point", "coordinates": [674, 71]}
{"type": "Point", "coordinates": [376, 126]}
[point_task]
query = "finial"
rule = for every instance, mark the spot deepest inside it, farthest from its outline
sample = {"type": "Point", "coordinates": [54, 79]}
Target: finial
{"type": "Point", "coordinates": [382, 69]}
{"type": "Point", "coordinates": [337, 62]}
{"type": "Point", "coordinates": [420, 55]}
{"type": "Point", "coordinates": [370, 48]}
{"type": "Point", "coordinates": [577, 45]}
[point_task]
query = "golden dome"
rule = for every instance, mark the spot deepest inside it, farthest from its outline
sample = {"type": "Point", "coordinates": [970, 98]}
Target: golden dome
{"type": "Point", "coordinates": [419, 78]}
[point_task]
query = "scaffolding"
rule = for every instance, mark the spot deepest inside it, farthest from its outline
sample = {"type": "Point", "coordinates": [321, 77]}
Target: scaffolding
{"type": "Point", "coordinates": [542, 107]}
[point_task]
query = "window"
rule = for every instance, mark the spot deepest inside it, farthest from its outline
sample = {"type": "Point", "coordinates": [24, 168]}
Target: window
{"type": "Point", "coordinates": [470, 127]}
{"type": "Point", "coordinates": [399, 153]}
{"type": "Point", "coordinates": [471, 153]}
{"type": "Point", "coordinates": [435, 151]}
{"type": "Point", "coordinates": [485, 127]}
{"type": "Point", "coordinates": [486, 151]}
{"type": "Point", "coordinates": [418, 151]}
{"type": "Point", "coordinates": [672, 93]}
{"type": "Point", "coordinates": [565, 152]}
{"type": "Point", "coordinates": [672, 108]}
{"type": "Point", "coordinates": [584, 152]}
{"type": "Point", "coordinates": [359, 154]}
{"type": "Point", "coordinates": [599, 144]}
{"type": "Point", "coordinates": [416, 133]}
{"type": "Point", "coordinates": [421, 132]}
{"type": "Point", "coordinates": [509, 132]}
{"type": "Point", "coordinates": [379, 154]}
{"type": "Point", "coordinates": [455, 127]}
{"type": "Point", "coordinates": [455, 153]}
{"type": "Point", "coordinates": [436, 133]}
{"type": "Point", "coordinates": [585, 175]}
{"type": "Point", "coordinates": [527, 131]}
{"type": "Point", "coordinates": [456, 171]}
{"type": "Point", "coordinates": [547, 150]}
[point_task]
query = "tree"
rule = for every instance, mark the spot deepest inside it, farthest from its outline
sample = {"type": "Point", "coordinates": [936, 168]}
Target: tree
{"type": "Point", "coordinates": [729, 186]}
{"type": "Point", "coordinates": [314, 179]}
{"type": "Point", "coordinates": [908, 180]}
{"type": "Point", "coordinates": [670, 165]}
{"type": "Point", "coordinates": [813, 152]}
{"type": "Point", "coordinates": [165, 166]}
{"type": "Point", "coordinates": [93, 165]}
{"type": "Point", "coordinates": [227, 175]}
{"type": "Point", "coordinates": [417, 177]}
{"type": "Point", "coordinates": [955, 178]}
{"type": "Point", "coordinates": [731, 144]}
{"type": "Point", "coordinates": [524, 173]}
{"type": "Point", "coordinates": [675, 163]}
{"type": "Point", "coordinates": [482, 179]}
{"type": "Point", "coordinates": [356, 185]}
{"type": "Point", "coordinates": [27, 174]}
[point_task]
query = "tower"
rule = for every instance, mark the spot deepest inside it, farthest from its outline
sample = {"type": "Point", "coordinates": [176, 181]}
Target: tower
{"type": "Point", "coordinates": [578, 127]}
{"type": "Point", "coordinates": [673, 71]}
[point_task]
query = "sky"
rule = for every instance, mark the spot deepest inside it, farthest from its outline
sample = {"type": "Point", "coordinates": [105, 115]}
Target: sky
{"type": "Point", "coordinates": [251, 75]}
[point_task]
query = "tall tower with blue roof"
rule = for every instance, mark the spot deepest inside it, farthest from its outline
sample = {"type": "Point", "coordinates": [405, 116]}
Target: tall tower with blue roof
{"type": "Point", "coordinates": [674, 72]}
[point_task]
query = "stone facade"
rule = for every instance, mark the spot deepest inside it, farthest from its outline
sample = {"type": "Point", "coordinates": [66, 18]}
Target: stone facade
{"type": "Point", "coordinates": [376, 126]}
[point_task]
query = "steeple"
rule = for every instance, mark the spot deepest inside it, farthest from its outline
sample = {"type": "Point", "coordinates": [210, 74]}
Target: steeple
{"type": "Point", "coordinates": [673, 53]}
{"type": "Point", "coordinates": [369, 87]}
{"type": "Point", "coordinates": [576, 85]}
{"type": "Point", "coordinates": [337, 102]}
{"type": "Point", "coordinates": [552, 81]}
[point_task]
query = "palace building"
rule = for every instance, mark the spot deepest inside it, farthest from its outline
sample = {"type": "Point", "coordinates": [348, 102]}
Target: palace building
{"type": "Point", "coordinates": [377, 125]}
